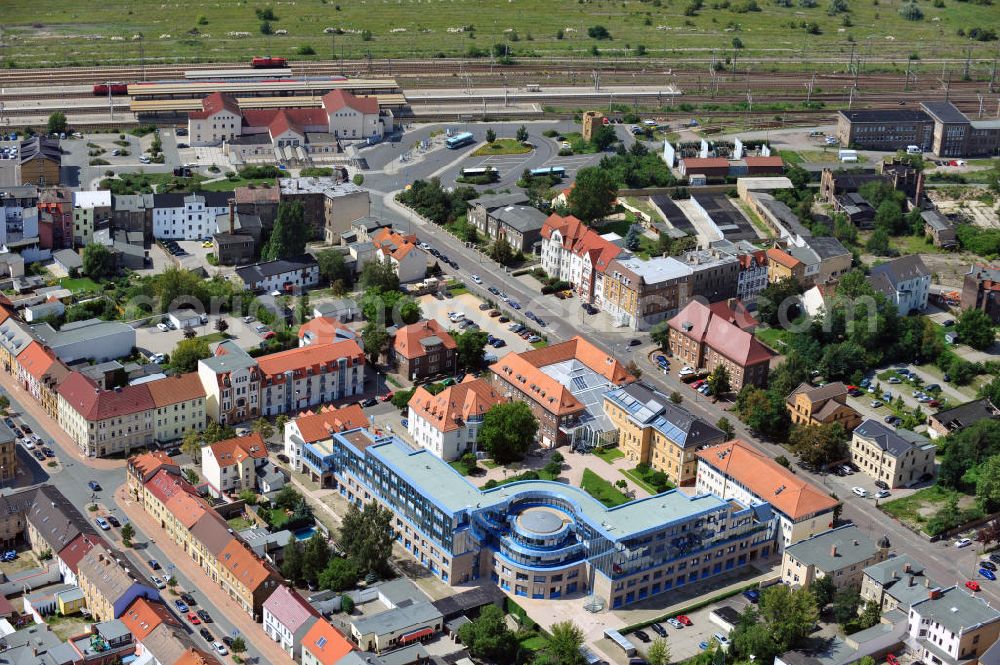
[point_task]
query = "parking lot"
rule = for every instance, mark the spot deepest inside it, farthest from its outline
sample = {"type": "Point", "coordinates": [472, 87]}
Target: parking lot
{"type": "Point", "coordinates": [152, 339]}
{"type": "Point", "coordinates": [468, 304]}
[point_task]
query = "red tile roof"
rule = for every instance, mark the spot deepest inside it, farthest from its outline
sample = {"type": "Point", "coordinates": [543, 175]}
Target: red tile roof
{"type": "Point", "coordinates": [326, 643]}
{"type": "Point", "coordinates": [393, 244]}
{"type": "Point", "coordinates": [165, 485]}
{"type": "Point", "coordinates": [277, 120]}
{"type": "Point", "coordinates": [407, 343]}
{"type": "Point", "coordinates": [187, 508]}
{"type": "Point", "coordinates": [782, 257]}
{"type": "Point", "coordinates": [764, 161]}
{"type": "Point", "coordinates": [143, 616]}
{"type": "Point", "coordinates": [310, 357]}
{"type": "Point", "coordinates": [215, 103]}
{"type": "Point", "coordinates": [705, 162]}
{"type": "Point", "coordinates": [452, 407]}
{"type": "Point", "coordinates": [78, 548]}
{"type": "Point", "coordinates": [147, 465]}
{"type": "Point", "coordinates": [767, 479]}
{"type": "Point", "coordinates": [316, 426]}
{"type": "Point", "coordinates": [289, 608]}
{"type": "Point", "coordinates": [325, 329]}
{"type": "Point", "coordinates": [175, 389]}
{"type": "Point", "coordinates": [230, 452]}
{"type": "Point", "coordinates": [338, 99]}
{"type": "Point", "coordinates": [96, 405]}
{"type": "Point", "coordinates": [734, 312]}
{"type": "Point", "coordinates": [758, 258]}
{"type": "Point", "coordinates": [36, 360]}
{"type": "Point", "coordinates": [581, 240]}
{"type": "Point", "coordinates": [698, 322]}
{"type": "Point", "coordinates": [195, 656]}
{"type": "Point", "coordinates": [244, 565]}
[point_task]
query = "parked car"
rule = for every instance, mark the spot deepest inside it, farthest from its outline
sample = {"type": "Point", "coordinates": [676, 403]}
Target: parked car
{"type": "Point", "coordinates": [876, 403]}
{"type": "Point", "coordinates": [94, 486]}
{"type": "Point", "coordinates": [154, 564]}
{"type": "Point", "coordinates": [881, 494]}
{"type": "Point", "coordinates": [972, 585]}
{"type": "Point", "coordinates": [658, 629]}
{"type": "Point", "coordinates": [684, 620]}
{"type": "Point", "coordinates": [895, 379]}
{"type": "Point", "coordinates": [988, 565]}
{"type": "Point", "coordinates": [103, 523]}
{"type": "Point", "coordinates": [158, 583]}
{"type": "Point", "coordinates": [642, 635]}
{"type": "Point", "coordinates": [371, 401]}
{"type": "Point", "coordinates": [113, 521]}
{"type": "Point", "coordinates": [181, 606]}
{"type": "Point", "coordinates": [891, 659]}
{"type": "Point", "coordinates": [207, 634]}
{"type": "Point", "coordinates": [752, 595]}
{"type": "Point", "coordinates": [39, 455]}
{"type": "Point", "coordinates": [988, 574]}
{"type": "Point", "coordinates": [220, 648]}
{"type": "Point", "coordinates": [188, 598]}
{"type": "Point", "coordinates": [964, 542]}
{"type": "Point", "coordinates": [675, 623]}
{"type": "Point", "coordinates": [881, 484]}
{"type": "Point", "coordinates": [204, 616]}
{"type": "Point", "coordinates": [860, 491]}
{"type": "Point", "coordinates": [193, 618]}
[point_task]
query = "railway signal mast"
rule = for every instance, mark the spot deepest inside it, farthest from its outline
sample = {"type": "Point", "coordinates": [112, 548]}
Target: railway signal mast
{"type": "Point", "coordinates": [809, 87]}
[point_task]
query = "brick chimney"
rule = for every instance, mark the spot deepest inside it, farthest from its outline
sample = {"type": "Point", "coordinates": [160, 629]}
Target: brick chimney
{"type": "Point", "coordinates": [232, 215]}
{"type": "Point", "coordinates": [907, 567]}
{"type": "Point", "coordinates": [833, 550]}
{"type": "Point", "coordinates": [934, 593]}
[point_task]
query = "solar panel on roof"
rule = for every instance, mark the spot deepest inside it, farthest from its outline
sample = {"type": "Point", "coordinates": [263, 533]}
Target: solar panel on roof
{"type": "Point", "coordinates": [579, 383]}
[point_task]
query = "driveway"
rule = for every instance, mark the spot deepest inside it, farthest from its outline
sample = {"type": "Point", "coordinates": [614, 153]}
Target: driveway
{"type": "Point", "coordinates": [468, 304]}
{"type": "Point", "coordinates": [155, 340]}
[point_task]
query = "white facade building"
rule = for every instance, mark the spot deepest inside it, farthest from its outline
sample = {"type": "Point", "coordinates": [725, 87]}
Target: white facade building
{"type": "Point", "coordinates": [447, 424]}
{"type": "Point", "coordinates": [231, 465]}
{"type": "Point", "coordinates": [577, 254]}
{"type": "Point", "coordinates": [905, 281]}
{"type": "Point", "coordinates": [283, 275]}
{"type": "Point", "coordinates": [952, 626]}
{"type": "Point", "coordinates": [188, 216]}
{"type": "Point", "coordinates": [287, 618]}
{"type": "Point", "coordinates": [303, 377]}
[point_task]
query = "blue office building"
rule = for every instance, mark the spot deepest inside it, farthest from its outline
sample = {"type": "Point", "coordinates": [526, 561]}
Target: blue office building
{"type": "Point", "coordinates": [543, 539]}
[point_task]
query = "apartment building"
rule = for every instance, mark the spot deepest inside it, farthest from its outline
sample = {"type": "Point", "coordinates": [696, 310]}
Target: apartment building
{"type": "Point", "coordinates": [141, 468]}
{"type": "Point", "coordinates": [288, 618]}
{"type": "Point", "coordinates": [424, 349]}
{"type": "Point", "coordinates": [824, 259]}
{"type": "Point", "coordinates": [508, 216]}
{"type": "Point", "coordinates": [231, 379]}
{"type": "Point", "coordinates": [324, 645]}
{"type": "Point", "coordinates": [447, 424]}
{"type": "Point", "coordinates": [822, 405]}
{"type": "Point", "coordinates": [408, 261]}
{"type": "Point", "coordinates": [316, 427]}
{"type": "Point", "coordinates": [285, 275]}
{"type": "Point", "coordinates": [738, 470]}
{"type": "Point", "coordinates": [782, 265]}
{"type": "Point", "coordinates": [714, 274]}
{"type": "Point", "coordinates": [303, 377]}
{"type": "Point", "coordinates": [230, 466]}
{"type": "Point", "coordinates": [640, 293]}
{"type": "Point", "coordinates": [188, 216]}
{"type": "Point", "coordinates": [841, 554]}
{"type": "Point", "coordinates": [752, 278]}
{"type": "Point", "coordinates": [703, 339]}
{"type": "Point", "coordinates": [579, 547]}
{"type": "Point", "coordinates": [8, 455]}
{"type": "Point", "coordinates": [179, 403]}
{"type": "Point", "coordinates": [577, 254]}
{"type": "Point", "coordinates": [110, 583]}
{"type": "Point", "coordinates": [905, 281]}
{"type": "Point", "coordinates": [105, 422]}
{"type": "Point", "coordinates": [653, 430]}
{"type": "Point", "coordinates": [40, 372]}
{"type": "Point", "coordinates": [562, 384]}
{"type": "Point", "coordinates": [91, 213]}
{"type": "Point", "coordinates": [951, 626]}
{"type": "Point", "coordinates": [981, 290]}
{"type": "Point", "coordinates": [343, 204]}
{"type": "Point", "coordinates": [247, 579]}
{"type": "Point", "coordinates": [897, 457]}
{"type": "Point", "coordinates": [895, 583]}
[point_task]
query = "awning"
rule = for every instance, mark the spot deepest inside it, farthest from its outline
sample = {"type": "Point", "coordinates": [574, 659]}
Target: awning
{"type": "Point", "coordinates": [416, 635]}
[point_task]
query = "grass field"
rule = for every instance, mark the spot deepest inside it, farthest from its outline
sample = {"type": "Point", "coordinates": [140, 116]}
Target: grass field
{"type": "Point", "coordinates": [601, 489]}
{"type": "Point", "coordinates": [644, 479]}
{"type": "Point", "coordinates": [54, 32]}
{"type": "Point", "coordinates": [80, 284]}
{"type": "Point", "coordinates": [609, 455]}
{"type": "Point", "coordinates": [502, 147]}
{"type": "Point", "coordinates": [917, 508]}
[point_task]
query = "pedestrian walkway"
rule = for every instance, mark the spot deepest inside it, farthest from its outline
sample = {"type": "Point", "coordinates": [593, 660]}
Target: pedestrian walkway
{"type": "Point", "coordinates": [33, 408]}
{"type": "Point", "coordinates": [270, 651]}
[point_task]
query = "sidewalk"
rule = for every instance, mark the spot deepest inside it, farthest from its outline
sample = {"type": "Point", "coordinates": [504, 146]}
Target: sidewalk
{"type": "Point", "coordinates": [28, 405]}
{"type": "Point", "coordinates": [253, 632]}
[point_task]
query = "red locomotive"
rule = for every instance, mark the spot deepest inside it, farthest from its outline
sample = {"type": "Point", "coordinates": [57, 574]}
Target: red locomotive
{"type": "Point", "coordinates": [267, 62]}
{"type": "Point", "coordinates": [116, 89]}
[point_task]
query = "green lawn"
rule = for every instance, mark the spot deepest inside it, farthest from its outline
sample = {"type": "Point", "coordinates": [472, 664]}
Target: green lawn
{"type": "Point", "coordinates": [644, 479]}
{"type": "Point", "coordinates": [776, 338]}
{"type": "Point", "coordinates": [914, 245]}
{"type": "Point", "coordinates": [79, 284]}
{"type": "Point", "coordinates": [48, 33]}
{"type": "Point", "coordinates": [602, 490]}
{"type": "Point", "coordinates": [278, 518]}
{"type": "Point", "coordinates": [534, 643]}
{"type": "Point", "coordinates": [790, 156]}
{"type": "Point", "coordinates": [609, 455]}
{"type": "Point", "coordinates": [502, 147]}
{"type": "Point", "coordinates": [541, 344]}
{"type": "Point", "coordinates": [214, 337]}
{"type": "Point", "coordinates": [239, 523]}
{"type": "Point", "coordinates": [916, 508]}
{"type": "Point", "coordinates": [227, 185]}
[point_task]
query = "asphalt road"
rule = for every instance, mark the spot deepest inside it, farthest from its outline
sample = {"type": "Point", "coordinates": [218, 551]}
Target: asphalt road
{"type": "Point", "coordinates": [72, 482]}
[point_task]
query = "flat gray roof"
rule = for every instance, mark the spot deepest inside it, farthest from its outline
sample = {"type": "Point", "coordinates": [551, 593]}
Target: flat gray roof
{"type": "Point", "coordinates": [655, 270]}
{"type": "Point", "coordinates": [398, 618]}
{"type": "Point", "coordinates": [956, 609]}
{"type": "Point", "coordinates": [852, 545]}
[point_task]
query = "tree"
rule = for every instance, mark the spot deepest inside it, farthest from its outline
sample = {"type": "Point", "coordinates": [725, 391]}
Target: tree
{"type": "Point", "coordinates": [522, 134]}
{"type": "Point", "coordinates": [870, 615]}
{"type": "Point", "coordinates": [975, 328]}
{"type": "Point", "coordinates": [247, 496]}
{"type": "Point", "coordinates": [507, 431]}
{"type": "Point", "coordinates": [878, 243]}
{"type": "Point", "coordinates": [660, 334]}
{"type": "Point", "coordinates": [988, 485]}
{"type": "Point", "coordinates": [57, 122]}
{"type": "Point", "coordinates": [718, 380]}
{"type": "Point", "coordinates": [375, 340]}
{"type": "Point", "coordinates": [289, 233]}
{"type": "Point", "coordinates": [845, 605]}
{"type": "Point", "coordinates": [292, 564]}
{"type": "Point", "coordinates": [334, 269]}
{"type": "Point", "coordinates": [823, 589]}
{"type": "Point", "coordinates": [565, 640]}
{"type": "Point", "coordinates": [819, 445]}
{"type": "Point", "coordinates": [379, 275]}
{"type": "Point", "coordinates": [603, 137]}
{"type": "Point", "coordinates": [401, 398]}
{"type": "Point", "coordinates": [264, 428]}
{"type": "Point", "coordinates": [789, 614]}
{"type": "Point", "coordinates": [128, 533]}
{"type": "Point", "coordinates": [239, 645]}
{"type": "Point", "coordinates": [191, 445]}
{"type": "Point", "coordinates": [676, 397]}
{"type": "Point", "coordinates": [187, 353]}
{"type": "Point", "coordinates": [287, 498]}
{"type": "Point", "coordinates": [658, 652]}
{"type": "Point", "coordinates": [340, 574]}
{"type": "Point", "coordinates": [632, 238]}
{"type": "Point", "coordinates": [501, 251]}
{"type": "Point", "coordinates": [777, 299]}
{"type": "Point", "coordinates": [470, 346]}
{"type": "Point", "coordinates": [491, 136]}
{"type": "Point", "coordinates": [598, 32]}
{"type": "Point", "coordinates": [4, 403]}
{"type": "Point", "coordinates": [726, 427]}
{"type": "Point", "coordinates": [488, 638]}
{"type": "Point", "coordinates": [762, 410]}
{"type": "Point", "coordinates": [189, 333]}
{"type": "Point", "coordinates": [315, 556]}
{"type": "Point", "coordinates": [98, 261]}
{"type": "Point", "coordinates": [221, 325]}
{"type": "Point", "coordinates": [593, 195]}
{"type": "Point", "coordinates": [366, 537]}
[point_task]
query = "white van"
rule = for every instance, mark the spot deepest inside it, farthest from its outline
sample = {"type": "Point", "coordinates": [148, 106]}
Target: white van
{"type": "Point", "coordinates": [914, 150]}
